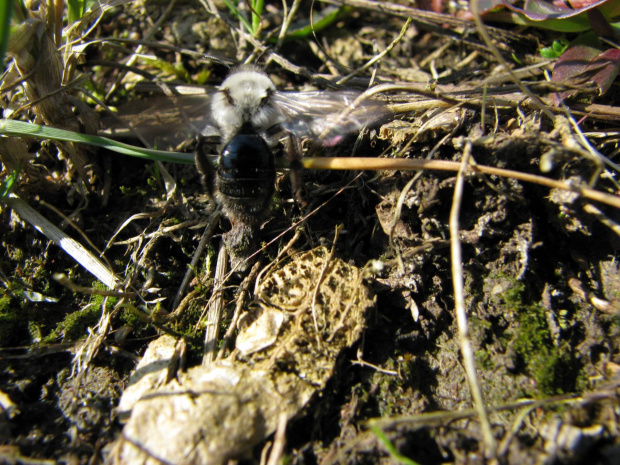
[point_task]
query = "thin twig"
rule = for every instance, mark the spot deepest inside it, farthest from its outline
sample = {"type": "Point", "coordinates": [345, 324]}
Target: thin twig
{"type": "Point", "coordinates": [482, 31]}
{"type": "Point", "coordinates": [599, 215]}
{"type": "Point", "coordinates": [206, 236]}
{"type": "Point", "coordinates": [459, 303]}
{"type": "Point", "coordinates": [178, 309]}
{"type": "Point", "coordinates": [192, 224]}
{"type": "Point", "coordinates": [430, 20]}
{"type": "Point", "coordinates": [591, 152]}
{"type": "Point", "coordinates": [376, 58]}
{"type": "Point", "coordinates": [241, 299]}
{"type": "Point", "coordinates": [396, 218]}
{"type": "Point", "coordinates": [76, 228]}
{"type": "Point", "coordinates": [378, 369]}
{"type": "Point", "coordinates": [441, 417]}
{"type": "Point", "coordinates": [516, 426]}
{"type": "Point", "coordinates": [288, 18]}
{"type": "Point", "coordinates": [383, 164]}
{"type": "Point", "coordinates": [279, 441]}
{"type": "Point", "coordinates": [284, 251]}
{"type": "Point", "coordinates": [317, 288]}
{"type": "Point", "coordinates": [62, 279]}
{"type": "Point", "coordinates": [147, 36]}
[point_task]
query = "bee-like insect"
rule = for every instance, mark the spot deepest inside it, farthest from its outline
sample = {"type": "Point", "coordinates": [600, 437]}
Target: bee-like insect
{"type": "Point", "coordinates": [256, 122]}
{"type": "Point", "coordinates": [254, 118]}
{"type": "Point", "coordinates": [243, 183]}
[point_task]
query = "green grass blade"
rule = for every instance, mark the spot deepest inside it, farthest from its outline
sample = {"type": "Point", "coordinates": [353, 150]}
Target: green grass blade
{"type": "Point", "coordinates": [75, 9]}
{"type": "Point", "coordinates": [390, 447]}
{"type": "Point", "coordinates": [257, 7]}
{"type": "Point", "coordinates": [20, 128]}
{"type": "Point", "coordinates": [233, 9]}
{"type": "Point", "coordinates": [6, 8]}
{"type": "Point", "coordinates": [319, 22]}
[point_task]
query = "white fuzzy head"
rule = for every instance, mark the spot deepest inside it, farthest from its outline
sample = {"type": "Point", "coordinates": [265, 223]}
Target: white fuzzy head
{"type": "Point", "coordinates": [245, 97]}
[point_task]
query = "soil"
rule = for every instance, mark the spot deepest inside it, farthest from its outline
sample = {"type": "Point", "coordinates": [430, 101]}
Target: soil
{"type": "Point", "coordinates": [540, 268]}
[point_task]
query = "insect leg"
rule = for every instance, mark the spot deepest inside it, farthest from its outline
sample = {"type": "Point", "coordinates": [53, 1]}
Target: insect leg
{"type": "Point", "coordinates": [294, 153]}
{"type": "Point", "coordinates": [205, 168]}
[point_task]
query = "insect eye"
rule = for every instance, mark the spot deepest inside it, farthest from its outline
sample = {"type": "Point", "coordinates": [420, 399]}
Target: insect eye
{"type": "Point", "coordinates": [265, 99]}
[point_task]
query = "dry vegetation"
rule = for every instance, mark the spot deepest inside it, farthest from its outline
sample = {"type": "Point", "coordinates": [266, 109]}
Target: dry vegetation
{"type": "Point", "coordinates": [532, 302]}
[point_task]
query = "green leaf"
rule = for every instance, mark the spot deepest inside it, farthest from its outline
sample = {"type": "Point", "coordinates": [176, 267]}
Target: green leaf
{"type": "Point", "coordinates": [548, 15]}
{"type": "Point", "coordinates": [7, 184]}
{"type": "Point", "coordinates": [557, 48]}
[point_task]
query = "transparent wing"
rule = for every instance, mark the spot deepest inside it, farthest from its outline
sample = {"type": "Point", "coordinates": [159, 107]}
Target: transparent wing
{"type": "Point", "coordinates": [163, 121]}
{"type": "Point", "coordinates": [328, 115]}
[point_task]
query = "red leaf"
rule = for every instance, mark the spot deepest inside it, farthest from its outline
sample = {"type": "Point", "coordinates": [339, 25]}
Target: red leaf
{"type": "Point", "coordinates": [584, 62]}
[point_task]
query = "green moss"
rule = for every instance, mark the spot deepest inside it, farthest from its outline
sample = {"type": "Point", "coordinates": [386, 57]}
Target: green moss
{"type": "Point", "coordinates": [553, 368]}
{"type": "Point", "coordinates": [34, 329]}
{"type": "Point", "coordinates": [512, 297]}
{"type": "Point", "coordinates": [533, 332]}
{"type": "Point", "coordinates": [131, 191]}
{"type": "Point", "coordinates": [97, 300]}
{"type": "Point", "coordinates": [153, 183]}
{"type": "Point", "coordinates": [12, 323]}
{"type": "Point", "coordinates": [76, 324]}
{"type": "Point", "coordinates": [484, 360]}
{"type": "Point", "coordinates": [17, 255]}
{"type": "Point", "coordinates": [131, 317]}
{"type": "Point", "coordinates": [478, 327]}
{"type": "Point", "coordinates": [195, 343]}
{"type": "Point", "coordinates": [186, 326]}
{"type": "Point", "coordinates": [5, 303]}
{"type": "Point", "coordinates": [554, 371]}
{"type": "Point", "coordinates": [393, 393]}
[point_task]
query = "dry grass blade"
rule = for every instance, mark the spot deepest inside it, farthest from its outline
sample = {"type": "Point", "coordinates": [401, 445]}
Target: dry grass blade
{"type": "Point", "coordinates": [214, 312]}
{"type": "Point", "coordinates": [61, 239]}
{"type": "Point", "coordinates": [243, 294]}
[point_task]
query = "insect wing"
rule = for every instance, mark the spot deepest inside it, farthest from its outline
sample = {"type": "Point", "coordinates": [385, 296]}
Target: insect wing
{"type": "Point", "coordinates": [164, 121]}
{"type": "Point", "coordinates": [327, 115]}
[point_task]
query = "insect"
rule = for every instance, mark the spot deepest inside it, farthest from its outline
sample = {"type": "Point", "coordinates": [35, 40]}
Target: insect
{"type": "Point", "coordinates": [257, 123]}
{"type": "Point", "coordinates": [255, 120]}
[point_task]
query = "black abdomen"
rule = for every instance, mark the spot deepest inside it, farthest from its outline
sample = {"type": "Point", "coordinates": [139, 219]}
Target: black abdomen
{"type": "Point", "coordinates": [245, 178]}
